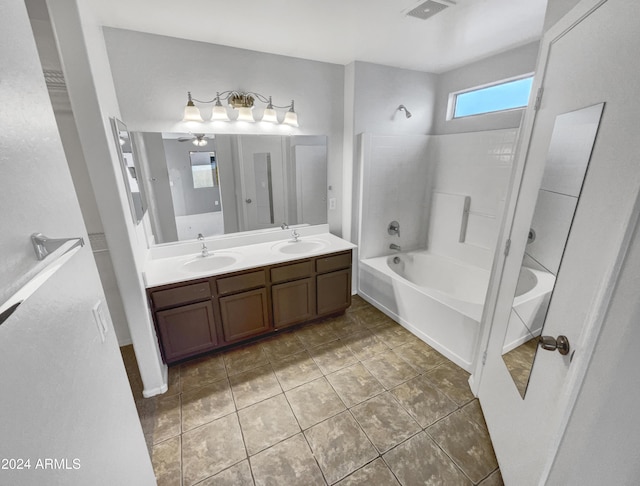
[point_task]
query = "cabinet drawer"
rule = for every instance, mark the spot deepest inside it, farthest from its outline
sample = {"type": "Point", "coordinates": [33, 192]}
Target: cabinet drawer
{"type": "Point", "coordinates": [181, 295]}
{"type": "Point", "coordinates": [333, 262]}
{"type": "Point", "coordinates": [228, 285]}
{"type": "Point", "coordinates": [292, 272]}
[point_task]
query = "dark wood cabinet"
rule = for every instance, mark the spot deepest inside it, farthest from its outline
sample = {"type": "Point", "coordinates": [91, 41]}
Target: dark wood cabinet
{"type": "Point", "coordinates": [244, 315]}
{"type": "Point", "coordinates": [187, 330]}
{"type": "Point", "coordinates": [194, 317]}
{"type": "Point", "coordinates": [334, 292]}
{"type": "Point", "coordinates": [293, 302]}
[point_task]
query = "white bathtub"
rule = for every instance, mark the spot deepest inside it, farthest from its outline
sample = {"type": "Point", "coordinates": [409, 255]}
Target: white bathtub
{"type": "Point", "coordinates": [438, 299]}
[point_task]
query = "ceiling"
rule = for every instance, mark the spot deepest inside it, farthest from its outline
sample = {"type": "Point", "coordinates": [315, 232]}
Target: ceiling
{"type": "Point", "coordinates": [340, 31]}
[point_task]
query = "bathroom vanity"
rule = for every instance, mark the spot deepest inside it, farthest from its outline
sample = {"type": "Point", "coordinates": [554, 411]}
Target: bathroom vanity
{"type": "Point", "coordinates": [297, 282]}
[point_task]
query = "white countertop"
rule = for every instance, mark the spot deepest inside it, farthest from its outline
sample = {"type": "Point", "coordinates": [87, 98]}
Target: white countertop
{"type": "Point", "coordinates": [162, 271]}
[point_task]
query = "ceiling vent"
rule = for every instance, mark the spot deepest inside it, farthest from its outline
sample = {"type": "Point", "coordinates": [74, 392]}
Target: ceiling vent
{"type": "Point", "coordinates": [427, 10]}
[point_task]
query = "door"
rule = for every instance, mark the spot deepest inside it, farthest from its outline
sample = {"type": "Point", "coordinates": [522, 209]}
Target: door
{"type": "Point", "coordinates": [589, 57]}
{"type": "Point", "coordinates": [263, 192]}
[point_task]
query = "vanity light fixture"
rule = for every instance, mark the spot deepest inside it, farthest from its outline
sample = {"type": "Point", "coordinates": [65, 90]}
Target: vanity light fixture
{"type": "Point", "coordinates": [242, 102]}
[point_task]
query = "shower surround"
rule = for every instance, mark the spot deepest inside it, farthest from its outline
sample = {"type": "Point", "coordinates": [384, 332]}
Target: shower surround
{"type": "Point", "coordinates": [447, 192]}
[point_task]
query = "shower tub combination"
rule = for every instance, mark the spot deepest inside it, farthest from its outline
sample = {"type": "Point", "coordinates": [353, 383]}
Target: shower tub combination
{"type": "Point", "coordinates": [440, 299]}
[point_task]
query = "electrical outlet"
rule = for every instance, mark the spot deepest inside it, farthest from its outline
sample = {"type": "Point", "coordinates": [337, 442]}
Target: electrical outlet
{"type": "Point", "coordinates": [101, 320]}
{"type": "Point", "coordinates": [332, 203]}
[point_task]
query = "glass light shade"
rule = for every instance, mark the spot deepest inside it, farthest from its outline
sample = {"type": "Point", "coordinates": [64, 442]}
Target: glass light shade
{"type": "Point", "coordinates": [219, 113]}
{"type": "Point", "coordinates": [200, 142]}
{"type": "Point", "coordinates": [244, 114]}
{"type": "Point", "coordinates": [291, 118]}
{"type": "Point", "coordinates": [270, 116]}
{"type": "Point", "coordinates": [191, 113]}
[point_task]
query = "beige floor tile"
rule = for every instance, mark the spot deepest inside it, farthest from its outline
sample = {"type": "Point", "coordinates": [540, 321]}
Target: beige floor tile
{"type": "Point", "coordinates": [316, 334]}
{"type": "Point", "coordinates": [289, 463]}
{"type": "Point", "coordinates": [451, 380]}
{"type": "Point", "coordinates": [393, 336]}
{"type": "Point", "coordinates": [474, 412]}
{"type": "Point", "coordinates": [211, 448]}
{"type": "Point", "coordinates": [466, 443]}
{"type": "Point", "coordinates": [420, 461]}
{"type": "Point", "coordinates": [332, 356]}
{"type": "Point", "coordinates": [424, 402]}
{"type": "Point", "coordinates": [295, 370]}
{"type": "Point", "coordinates": [365, 345]}
{"type": "Point", "coordinates": [244, 358]}
{"type": "Point", "coordinates": [166, 460]}
{"type": "Point", "coordinates": [385, 422]}
{"type": "Point", "coordinates": [389, 369]}
{"type": "Point", "coordinates": [340, 446]}
{"type": "Point", "coordinates": [266, 423]}
{"type": "Point", "coordinates": [201, 371]}
{"type": "Point", "coordinates": [346, 325]}
{"type": "Point", "coordinates": [314, 402]}
{"type": "Point", "coordinates": [254, 386]}
{"type": "Point", "coordinates": [160, 417]}
{"type": "Point", "coordinates": [420, 355]}
{"type": "Point", "coordinates": [281, 346]}
{"type": "Point", "coordinates": [207, 403]}
{"type": "Point", "coordinates": [354, 384]}
{"type": "Point", "coordinates": [376, 473]}
{"type": "Point", "coordinates": [494, 479]}
{"type": "Point", "coordinates": [238, 475]}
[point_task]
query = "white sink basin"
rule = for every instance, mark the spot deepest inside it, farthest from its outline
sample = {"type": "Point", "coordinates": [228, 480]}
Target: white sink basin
{"type": "Point", "coordinates": [208, 264]}
{"type": "Point", "coordinates": [299, 247]}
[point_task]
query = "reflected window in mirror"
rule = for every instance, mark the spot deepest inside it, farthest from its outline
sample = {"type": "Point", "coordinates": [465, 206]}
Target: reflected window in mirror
{"type": "Point", "coordinates": [572, 140]}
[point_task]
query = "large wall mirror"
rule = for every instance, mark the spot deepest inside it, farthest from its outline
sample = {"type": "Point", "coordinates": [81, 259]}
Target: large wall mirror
{"type": "Point", "coordinates": [217, 184]}
{"type": "Point", "coordinates": [572, 141]}
{"type": "Point", "coordinates": [130, 170]}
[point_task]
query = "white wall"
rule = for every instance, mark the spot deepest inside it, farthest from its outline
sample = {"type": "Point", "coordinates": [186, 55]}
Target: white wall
{"type": "Point", "coordinates": [65, 393]}
{"type": "Point", "coordinates": [477, 165]}
{"type": "Point", "coordinates": [514, 62]}
{"type": "Point", "coordinates": [152, 75]}
{"type": "Point", "coordinates": [87, 73]}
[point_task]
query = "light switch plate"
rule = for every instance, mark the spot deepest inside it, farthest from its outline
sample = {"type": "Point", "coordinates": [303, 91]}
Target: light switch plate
{"type": "Point", "coordinates": [101, 320]}
{"type": "Point", "coordinates": [332, 203]}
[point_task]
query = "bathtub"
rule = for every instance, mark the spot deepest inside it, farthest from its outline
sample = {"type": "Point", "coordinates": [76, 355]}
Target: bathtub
{"type": "Point", "coordinates": [439, 299]}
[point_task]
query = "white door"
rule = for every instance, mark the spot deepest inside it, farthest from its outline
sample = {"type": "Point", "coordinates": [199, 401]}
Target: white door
{"type": "Point", "coordinates": [589, 57]}
{"type": "Point", "coordinates": [263, 188]}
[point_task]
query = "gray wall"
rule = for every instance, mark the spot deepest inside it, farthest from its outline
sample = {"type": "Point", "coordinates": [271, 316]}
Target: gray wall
{"type": "Point", "coordinates": [65, 394]}
{"type": "Point", "coordinates": [515, 62]}
{"type": "Point", "coordinates": [152, 75]}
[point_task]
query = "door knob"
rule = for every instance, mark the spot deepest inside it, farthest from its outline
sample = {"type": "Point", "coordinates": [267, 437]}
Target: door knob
{"type": "Point", "coordinates": [561, 343]}
{"type": "Point", "coordinates": [248, 201]}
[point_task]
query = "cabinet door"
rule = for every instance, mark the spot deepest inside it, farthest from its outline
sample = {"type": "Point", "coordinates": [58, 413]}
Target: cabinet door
{"type": "Point", "coordinates": [187, 330]}
{"type": "Point", "coordinates": [244, 315]}
{"type": "Point", "coordinates": [293, 302]}
{"type": "Point", "coordinates": [334, 291]}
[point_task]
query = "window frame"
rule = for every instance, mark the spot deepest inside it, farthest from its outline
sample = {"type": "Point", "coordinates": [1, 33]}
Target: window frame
{"type": "Point", "coordinates": [453, 97]}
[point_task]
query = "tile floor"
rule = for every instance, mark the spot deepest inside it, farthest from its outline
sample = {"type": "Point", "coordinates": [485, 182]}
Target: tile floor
{"type": "Point", "coordinates": [351, 400]}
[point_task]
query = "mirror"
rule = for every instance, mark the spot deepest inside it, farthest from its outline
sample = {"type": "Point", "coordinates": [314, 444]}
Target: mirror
{"type": "Point", "coordinates": [570, 149]}
{"type": "Point", "coordinates": [130, 170]}
{"type": "Point", "coordinates": [217, 184]}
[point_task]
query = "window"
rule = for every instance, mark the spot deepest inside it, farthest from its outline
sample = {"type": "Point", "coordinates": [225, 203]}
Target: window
{"type": "Point", "coordinates": [501, 96]}
{"type": "Point", "coordinates": [204, 169]}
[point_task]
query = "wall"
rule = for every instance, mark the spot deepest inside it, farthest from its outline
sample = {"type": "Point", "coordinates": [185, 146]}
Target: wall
{"type": "Point", "coordinates": [88, 77]}
{"type": "Point", "coordinates": [65, 393]}
{"type": "Point", "coordinates": [176, 66]}
{"type": "Point", "coordinates": [514, 62]}
{"type": "Point", "coordinates": [556, 9]}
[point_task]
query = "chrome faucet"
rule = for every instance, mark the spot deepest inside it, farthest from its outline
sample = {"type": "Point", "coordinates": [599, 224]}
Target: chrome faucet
{"type": "Point", "coordinates": [394, 228]}
{"type": "Point", "coordinates": [393, 246]}
{"type": "Point", "coordinates": [295, 235]}
{"type": "Point", "coordinates": [205, 250]}
{"type": "Point", "coordinates": [284, 226]}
